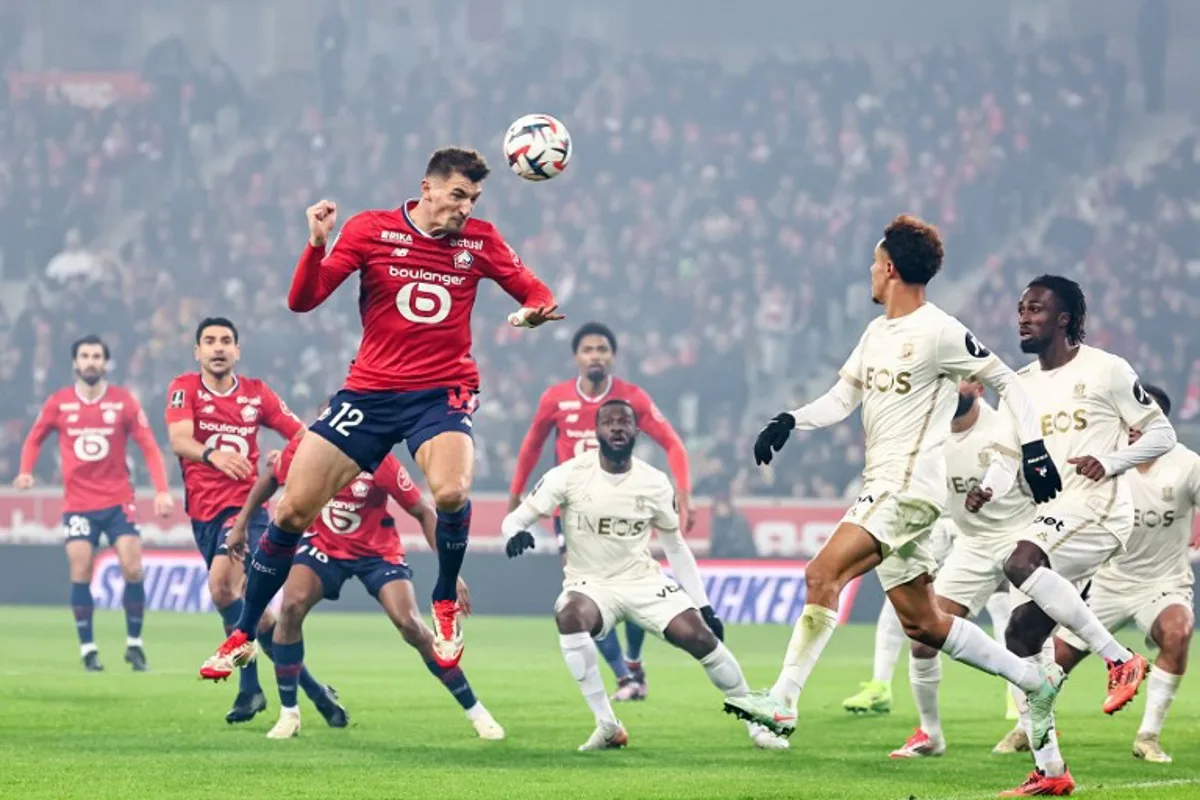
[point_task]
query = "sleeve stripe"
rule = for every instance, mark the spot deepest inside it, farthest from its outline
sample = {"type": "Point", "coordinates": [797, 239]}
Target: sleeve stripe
{"type": "Point", "coordinates": [850, 379]}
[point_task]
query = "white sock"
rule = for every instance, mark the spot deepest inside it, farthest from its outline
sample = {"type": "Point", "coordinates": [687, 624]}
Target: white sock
{"type": "Point", "coordinates": [293, 711]}
{"type": "Point", "coordinates": [969, 644]}
{"type": "Point", "coordinates": [889, 638]}
{"type": "Point", "coordinates": [725, 672]}
{"type": "Point", "coordinates": [476, 711]}
{"type": "Point", "coordinates": [90, 647]}
{"type": "Point", "coordinates": [133, 641]}
{"type": "Point", "coordinates": [579, 651]}
{"type": "Point", "coordinates": [925, 675]}
{"type": "Point", "coordinates": [999, 608]}
{"type": "Point", "coordinates": [1055, 595]}
{"type": "Point", "coordinates": [1049, 760]}
{"type": "Point", "coordinates": [811, 633]}
{"type": "Point", "coordinates": [1024, 718]}
{"type": "Point", "coordinates": [1161, 691]}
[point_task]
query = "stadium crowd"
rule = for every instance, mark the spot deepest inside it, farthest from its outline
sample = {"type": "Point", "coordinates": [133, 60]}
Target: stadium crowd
{"type": "Point", "coordinates": [721, 223]}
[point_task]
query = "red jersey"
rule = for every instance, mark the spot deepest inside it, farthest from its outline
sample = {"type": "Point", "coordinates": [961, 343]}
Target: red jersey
{"type": "Point", "coordinates": [229, 421]}
{"type": "Point", "coordinates": [355, 523]}
{"type": "Point", "coordinates": [416, 293]}
{"type": "Point", "coordinates": [92, 446]}
{"type": "Point", "coordinates": [571, 414]}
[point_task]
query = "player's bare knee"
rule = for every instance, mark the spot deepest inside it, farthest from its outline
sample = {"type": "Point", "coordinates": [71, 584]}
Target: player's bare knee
{"type": "Point", "coordinates": [1173, 639]}
{"type": "Point", "coordinates": [690, 634]}
{"type": "Point", "coordinates": [929, 633]}
{"type": "Point", "coordinates": [1023, 562]}
{"type": "Point", "coordinates": [923, 651]}
{"type": "Point", "coordinates": [1027, 630]}
{"type": "Point", "coordinates": [821, 582]}
{"type": "Point", "coordinates": [223, 590]}
{"type": "Point", "coordinates": [451, 497]}
{"type": "Point", "coordinates": [295, 514]}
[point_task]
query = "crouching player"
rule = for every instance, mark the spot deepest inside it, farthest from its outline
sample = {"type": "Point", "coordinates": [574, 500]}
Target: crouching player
{"type": "Point", "coordinates": [609, 502]}
{"type": "Point", "coordinates": [355, 537]}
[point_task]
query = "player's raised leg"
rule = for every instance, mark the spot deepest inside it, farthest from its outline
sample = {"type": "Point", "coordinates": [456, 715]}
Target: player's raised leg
{"type": "Point", "coordinates": [83, 606]}
{"type": "Point", "coordinates": [1028, 568]}
{"type": "Point", "coordinates": [448, 461]}
{"type": "Point", "coordinates": [394, 591]}
{"type": "Point", "coordinates": [133, 598]}
{"type": "Point", "coordinates": [318, 472]}
{"type": "Point", "coordinates": [876, 694]}
{"type": "Point", "coordinates": [579, 619]}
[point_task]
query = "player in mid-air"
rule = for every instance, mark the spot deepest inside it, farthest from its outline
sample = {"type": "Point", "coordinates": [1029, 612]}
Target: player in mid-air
{"type": "Point", "coordinates": [213, 420]}
{"type": "Point", "coordinates": [610, 501]}
{"type": "Point", "coordinates": [983, 451]}
{"type": "Point", "coordinates": [568, 409]}
{"type": "Point", "coordinates": [904, 372]}
{"type": "Point", "coordinates": [94, 421]}
{"type": "Point", "coordinates": [1149, 584]}
{"type": "Point", "coordinates": [413, 381]}
{"type": "Point", "coordinates": [354, 537]}
{"type": "Point", "coordinates": [1086, 400]}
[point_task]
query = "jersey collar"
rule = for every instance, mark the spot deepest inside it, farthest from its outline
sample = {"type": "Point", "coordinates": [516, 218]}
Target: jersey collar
{"type": "Point", "coordinates": [236, 383]}
{"type": "Point", "coordinates": [87, 402]}
{"type": "Point", "coordinates": [412, 203]}
{"type": "Point", "coordinates": [587, 399]}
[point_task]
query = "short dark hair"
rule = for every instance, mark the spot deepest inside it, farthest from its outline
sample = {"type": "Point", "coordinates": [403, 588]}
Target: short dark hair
{"type": "Point", "coordinates": [593, 329]}
{"type": "Point", "coordinates": [616, 401]}
{"type": "Point", "coordinates": [1160, 396]}
{"type": "Point", "coordinates": [1070, 299]}
{"type": "Point", "coordinates": [91, 338]}
{"type": "Point", "coordinates": [469, 163]}
{"type": "Point", "coordinates": [216, 322]}
{"type": "Point", "coordinates": [915, 247]}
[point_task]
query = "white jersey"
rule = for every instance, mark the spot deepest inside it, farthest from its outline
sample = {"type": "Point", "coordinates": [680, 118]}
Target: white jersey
{"type": "Point", "coordinates": [992, 439]}
{"type": "Point", "coordinates": [1163, 499]}
{"type": "Point", "coordinates": [908, 369]}
{"type": "Point", "coordinates": [607, 518]}
{"type": "Point", "coordinates": [1085, 408]}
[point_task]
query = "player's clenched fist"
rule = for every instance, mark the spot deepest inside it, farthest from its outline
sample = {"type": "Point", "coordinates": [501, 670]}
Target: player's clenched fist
{"type": "Point", "coordinates": [977, 498]}
{"type": "Point", "coordinates": [322, 216]}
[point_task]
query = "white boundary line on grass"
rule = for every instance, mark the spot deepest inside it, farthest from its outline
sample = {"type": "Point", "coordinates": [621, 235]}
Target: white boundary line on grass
{"type": "Point", "coordinates": [1083, 789]}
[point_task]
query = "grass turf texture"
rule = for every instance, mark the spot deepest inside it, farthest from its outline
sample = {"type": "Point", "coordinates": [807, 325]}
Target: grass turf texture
{"type": "Point", "coordinates": [67, 734]}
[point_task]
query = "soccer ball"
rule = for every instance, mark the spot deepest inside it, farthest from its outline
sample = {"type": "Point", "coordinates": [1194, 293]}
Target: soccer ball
{"type": "Point", "coordinates": [537, 147]}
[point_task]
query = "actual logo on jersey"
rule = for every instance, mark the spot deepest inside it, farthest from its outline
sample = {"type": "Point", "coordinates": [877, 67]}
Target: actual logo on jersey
{"type": "Point", "coordinates": [395, 236]}
{"type": "Point", "coordinates": [249, 413]}
{"type": "Point", "coordinates": [1141, 395]}
{"type": "Point", "coordinates": [360, 489]}
{"type": "Point", "coordinates": [640, 503]}
{"type": "Point", "coordinates": [176, 400]}
{"type": "Point", "coordinates": [400, 252]}
{"type": "Point", "coordinates": [906, 351]}
{"type": "Point", "coordinates": [463, 260]}
{"type": "Point", "coordinates": [72, 419]}
{"type": "Point", "coordinates": [975, 347]}
{"type": "Point", "coordinates": [467, 244]}
{"type": "Point", "coordinates": [1169, 494]}
{"type": "Point", "coordinates": [404, 481]}
{"type": "Point", "coordinates": [209, 409]}
{"type": "Point", "coordinates": [1080, 390]}
{"type": "Point", "coordinates": [984, 459]}
{"type": "Point", "coordinates": [569, 405]}
{"type": "Point", "coordinates": [109, 416]}
{"type": "Point", "coordinates": [571, 419]}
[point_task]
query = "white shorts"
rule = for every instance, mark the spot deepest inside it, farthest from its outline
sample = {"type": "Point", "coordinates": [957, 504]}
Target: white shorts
{"type": "Point", "coordinates": [974, 571]}
{"type": "Point", "coordinates": [902, 526]}
{"type": "Point", "coordinates": [1118, 604]}
{"type": "Point", "coordinates": [1078, 538]}
{"type": "Point", "coordinates": [651, 602]}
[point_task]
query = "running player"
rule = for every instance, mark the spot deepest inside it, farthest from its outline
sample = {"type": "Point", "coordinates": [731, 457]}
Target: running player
{"type": "Point", "coordinates": [610, 501]}
{"type": "Point", "coordinates": [1086, 400]}
{"type": "Point", "coordinates": [94, 420]}
{"type": "Point", "coordinates": [983, 451]}
{"type": "Point", "coordinates": [413, 381]}
{"type": "Point", "coordinates": [213, 420]}
{"type": "Point", "coordinates": [354, 537]}
{"type": "Point", "coordinates": [568, 409]}
{"type": "Point", "coordinates": [903, 371]}
{"type": "Point", "coordinates": [1150, 583]}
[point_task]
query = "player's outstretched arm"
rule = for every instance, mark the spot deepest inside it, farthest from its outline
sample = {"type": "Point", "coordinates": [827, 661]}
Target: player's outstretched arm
{"type": "Point", "coordinates": [657, 427]}
{"type": "Point", "coordinates": [998, 478]}
{"type": "Point", "coordinates": [828, 409]}
{"type": "Point", "coordinates": [515, 528]}
{"type": "Point", "coordinates": [531, 448]}
{"type": "Point", "coordinates": [549, 494]}
{"type": "Point", "coordinates": [504, 266]}
{"type": "Point", "coordinates": [318, 273]}
{"type": "Point", "coordinates": [682, 561]}
{"type": "Point", "coordinates": [264, 489]}
{"type": "Point", "coordinates": [1139, 412]}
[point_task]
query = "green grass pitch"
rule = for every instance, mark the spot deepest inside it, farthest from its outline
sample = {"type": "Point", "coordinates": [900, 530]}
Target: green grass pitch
{"type": "Point", "coordinates": [68, 734]}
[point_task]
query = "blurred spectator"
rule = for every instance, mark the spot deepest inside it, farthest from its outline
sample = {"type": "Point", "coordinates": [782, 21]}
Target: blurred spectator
{"type": "Point", "coordinates": [730, 533]}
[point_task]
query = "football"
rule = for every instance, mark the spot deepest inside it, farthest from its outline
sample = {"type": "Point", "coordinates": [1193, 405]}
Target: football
{"type": "Point", "coordinates": [537, 147]}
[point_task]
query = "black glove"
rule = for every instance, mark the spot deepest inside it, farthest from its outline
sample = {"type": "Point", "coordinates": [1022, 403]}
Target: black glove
{"type": "Point", "coordinates": [519, 543]}
{"type": "Point", "coordinates": [713, 622]}
{"type": "Point", "coordinates": [1040, 472]}
{"type": "Point", "coordinates": [773, 436]}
